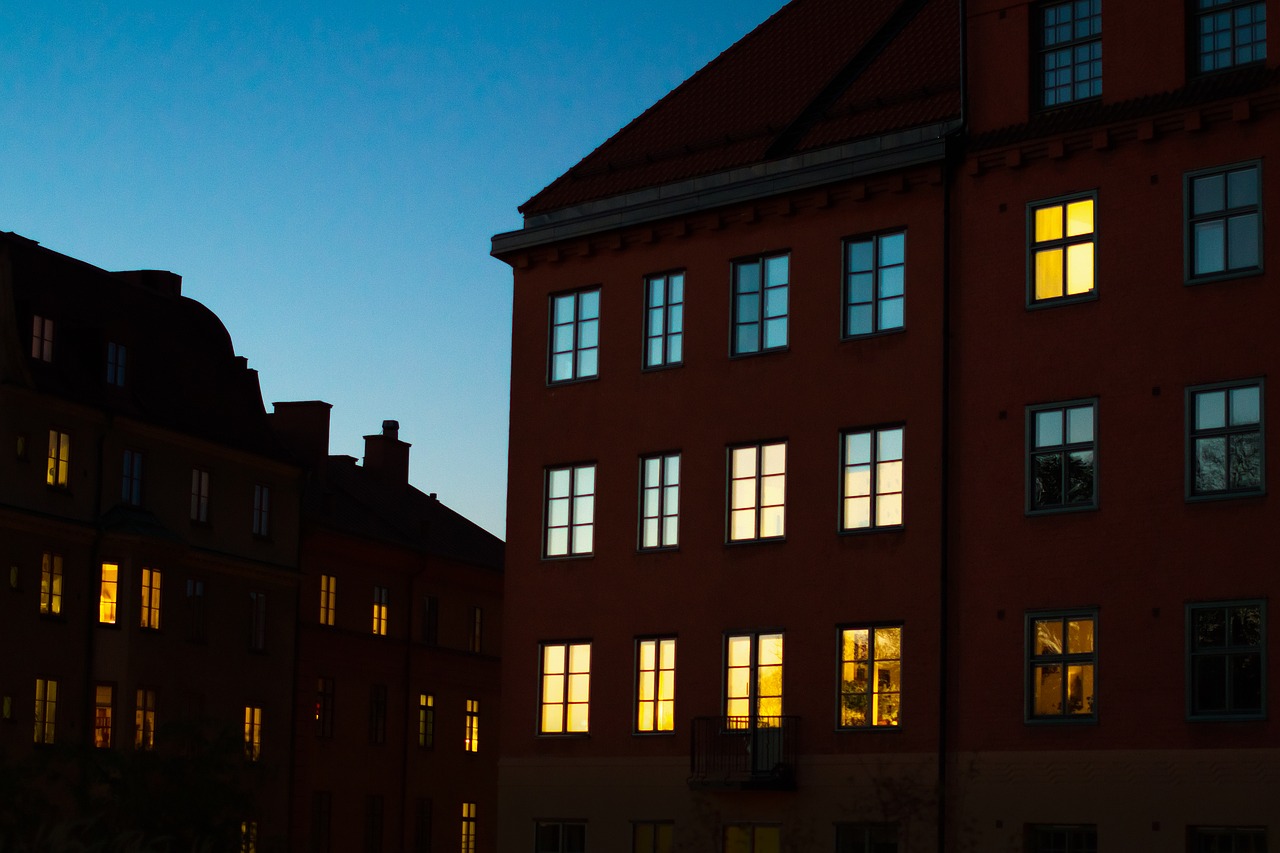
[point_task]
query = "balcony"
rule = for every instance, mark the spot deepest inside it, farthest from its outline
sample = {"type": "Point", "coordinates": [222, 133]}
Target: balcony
{"type": "Point", "coordinates": [744, 753]}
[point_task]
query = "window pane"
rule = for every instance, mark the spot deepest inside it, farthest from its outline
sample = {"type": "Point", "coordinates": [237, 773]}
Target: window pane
{"type": "Point", "coordinates": [1242, 188]}
{"type": "Point", "coordinates": [1208, 194]}
{"type": "Point", "coordinates": [1080, 425]}
{"type": "Point", "coordinates": [1048, 274]}
{"type": "Point", "coordinates": [1245, 405]}
{"type": "Point", "coordinates": [775, 271]}
{"type": "Point", "coordinates": [1080, 217]}
{"type": "Point", "coordinates": [1242, 240]}
{"type": "Point", "coordinates": [892, 249]}
{"type": "Point", "coordinates": [1211, 409]}
{"type": "Point", "coordinates": [1079, 268]}
{"type": "Point", "coordinates": [1049, 428]}
{"type": "Point", "coordinates": [1048, 223]}
{"type": "Point", "coordinates": [891, 313]}
{"type": "Point", "coordinates": [1210, 247]}
{"type": "Point", "coordinates": [775, 459]}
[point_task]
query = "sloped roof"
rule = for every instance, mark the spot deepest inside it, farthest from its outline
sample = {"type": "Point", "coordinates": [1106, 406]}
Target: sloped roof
{"type": "Point", "coordinates": [816, 74]}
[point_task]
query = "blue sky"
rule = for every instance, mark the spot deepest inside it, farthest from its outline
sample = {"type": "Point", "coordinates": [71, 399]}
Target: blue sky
{"type": "Point", "coordinates": [326, 177]}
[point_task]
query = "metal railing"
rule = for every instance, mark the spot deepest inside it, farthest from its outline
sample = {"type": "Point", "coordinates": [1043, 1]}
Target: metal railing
{"type": "Point", "coordinates": [744, 752]}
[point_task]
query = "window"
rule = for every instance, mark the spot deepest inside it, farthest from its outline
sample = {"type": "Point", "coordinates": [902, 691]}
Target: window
{"type": "Point", "coordinates": [46, 709]}
{"type": "Point", "coordinates": [261, 510]}
{"type": "Point", "coordinates": [324, 707]}
{"type": "Point", "coordinates": [1061, 465]}
{"type": "Point", "coordinates": [752, 838]}
{"type": "Point", "coordinates": [252, 732]}
{"type": "Point", "coordinates": [321, 821]}
{"type": "Point", "coordinates": [373, 823]}
{"type": "Point", "coordinates": [380, 610]}
{"type": "Point", "coordinates": [874, 294]}
{"type": "Point", "coordinates": [257, 621]}
{"type": "Point", "coordinates": [1062, 839]}
{"type": "Point", "coordinates": [1229, 33]}
{"type": "Point", "coordinates": [468, 828]}
{"type": "Point", "coordinates": [422, 826]}
{"type": "Point", "coordinates": [561, 837]}
{"type": "Point", "coordinates": [107, 594]}
{"type": "Point", "coordinates": [131, 478]}
{"type": "Point", "coordinates": [753, 681]}
{"type": "Point", "coordinates": [430, 620]}
{"type": "Point", "coordinates": [1061, 257]}
{"type": "Point", "coordinates": [870, 676]}
{"type": "Point", "coordinates": [144, 720]}
{"type": "Point", "coordinates": [652, 837]}
{"type": "Point", "coordinates": [866, 838]}
{"type": "Point", "coordinates": [760, 304]}
{"type": "Point", "coordinates": [566, 688]}
{"type": "Point", "coordinates": [249, 836]}
{"type": "Point", "coordinates": [871, 488]}
{"type": "Point", "coordinates": [1062, 662]}
{"type": "Point", "coordinates": [199, 495]}
{"type": "Point", "coordinates": [59, 459]}
{"type": "Point", "coordinates": [476, 643]}
{"type": "Point", "coordinates": [426, 720]}
{"type": "Point", "coordinates": [196, 612]}
{"type": "Point", "coordinates": [51, 584]}
{"type": "Point", "coordinates": [378, 714]}
{"type": "Point", "coordinates": [575, 335]}
{"type": "Point", "coordinates": [1227, 839]}
{"type": "Point", "coordinates": [471, 737]}
{"type": "Point", "coordinates": [1070, 52]}
{"type": "Point", "coordinates": [1224, 222]}
{"type": "Point", "coordinates": [664, 320]}
{"type": "Point", "coordinates": [1224, 444]}
{"type": "Point", "coordinates": [660, 501]}
{"type": "Point", "coordinates": [656, 685]}
{"type": "Point", "coordinates": [42, 338]}
{"type": "Point", "coordinates": [104, 705]}
{"type": "Point", "coordinates": [328, 599]}
{"type": "Point", "coordinates": [570, 513]}
{"type": "Point", "coordinates": [150, 599]}
{"type": "Point", "coordinates": [115, 364]}
{"type": "Point", "coordinates": [1226, 660]}
{"type": "Point", "coordinates": [757, 492]}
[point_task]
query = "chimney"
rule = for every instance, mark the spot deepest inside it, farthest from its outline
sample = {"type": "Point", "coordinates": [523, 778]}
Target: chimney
{"type": "Point", "coordinates": [303, 427]}
{"type": "Point", "coordinates": [386, 456]}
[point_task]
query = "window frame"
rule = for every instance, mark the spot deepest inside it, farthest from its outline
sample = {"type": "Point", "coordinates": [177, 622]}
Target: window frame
{"type": "Point", "coordinates": [564, 703]}
{"type": "Point", "coordinates": [261, 510]}
{"type": "Point", "coordinates": [876, 271]}
{"type": "Point", "coordinates": [661, 836]}
{"type": "Point", "coordinates": [561, 841]}
{"type": "Point", "coordinates": [52, 581]}
{"type": "Point", "coordinates": [150, 586]}
{"type": "Point", "coordinates": [1195, 55]}
{"type": "Point", "coordinates": [326, 690]}
{"type": "Point", "coordinates": [758, 507]}
{"type": "Point", "coordinates": [571, 525]}
{"type": "Point", "coordinates": [1065, 659]}
{"type": "Point", "coordinates": [1033, 845]}
{"type": "Point", "coordinates": [1237, 834]}
{"type": "Point", "coordinates": [1192, 607]}
{"type": "Point", "coordinates": [1191, 434]}
{"type": "Point", "coordinates": [1042, 51]}
{"type": "Point", "coordinates": [58, 460]}
{"type": "Point", "coordinates": [873, 465]}
{"type": "Point", "coordinates": [199, 496]}
{"type": "Point", "coordinates": [576, 374]}
{"type": "Point", "coordinates": [1035, 247]}
{"type": "Point", "coordinates": [664, 498]}
{"type": "Point", "coordinates": [873, 690]}
{"type": "Point", "coordinates": [857, 836]}
{"type": "Point", "coordinates": [117, 359]}
{"type": "Point", "coordinates": [655, 701]}
{"type": "Point", "coordinates": [667, 307]}
{"type": "Point", "coordinates": [759, 317]}
{"type": "Point", "coordinates": [469, 827]}
{"type": "Point", "coordinates": [1190, 219]}
{"type": "Point", "coordinates": [751, 830]}
{"type": "Point", "coordinates": [1065, 449]}
{"type": "Point", "coordinates": [378, 714]}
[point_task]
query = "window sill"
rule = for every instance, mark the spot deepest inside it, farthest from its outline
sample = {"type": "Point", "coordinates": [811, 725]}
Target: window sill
{"type": "Point", "coordinates": [659, 368]}
{"type": "Point", "coordinates": [1226, 275]}
{"type": "Point", "coordinates": [759, 352]}
{"type": "Point", "coordinates": [734, 543]}
{"type": "Point", "coordinates": [1075, 720]}
{"type": "Point", "coordinates": [1059, 301]}
{"type": "Point", "coordinates": [577, 380]}
{"type": "Point", "coordinates": [878, 333]}
{"type": "Point", "coordinates": [1211, 497]}
{"type": "Point", "coordinates": [871, 531]}
{"type": "Point", "coordinates": [1060, 510]}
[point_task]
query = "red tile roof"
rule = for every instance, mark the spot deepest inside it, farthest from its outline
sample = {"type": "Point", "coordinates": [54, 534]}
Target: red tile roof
{"type": "Point", "coordinates": [818, 73]}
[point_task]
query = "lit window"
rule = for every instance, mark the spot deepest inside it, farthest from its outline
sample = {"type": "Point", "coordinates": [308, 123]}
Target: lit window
{"type": "Point", "coordinates": [199, 495]}
{"type": "Point", "coordinates": [131, 478]}
{"type": "Point", "coordinates": [660, 501]}
{"type": "Point", "coordinates": [656, 685]}
{"type": "Point", "coordinates": [1070, 52]}
{"type": "Point", "coordinates": [144, 720]}
{"type": "Point", "coordinates": [1226, 644]}
{"type": "Point", "coordinates": [760, 288]}
{"type": "Point", "coordinates": [261, 510]}
{"type": "Point", "coordinates": [324, 707]}
{"type": "Point", "coordinates": [1062, 839]}
{"type": "Point", "coordinates": [575, 335]}
{"type": "Point", "coordinates": [1060, 465]}
{"type": "Point", "coordinates": [1062, 661]}
{"type": "Point", "coordinates": [752, 838]}
{"type": "Point", "coordinates": [468, 828]}
{"type": "Point", "coordinates": [46, 709]}
{"type": "Point", "coordinates": [59, 459]}
{"type": "Point", "coordinates": [875, 273]}
{"type": "Point", "coordinates": [753, 681]}
{"type": "Point", "coordinates": [252, 732]}
{"type": "Point", "coordinates": [1229, 33]}
{"type": "Point", "coordinates": [560, 837]}
{"type": "Point", "coordinates": [570, 511]}
{"type": "Point", "coordinates": [664, 320]}
{"type": "Point", "coordinates": [471, 738]}
{"type": "Point", "coordinates": [871, 488]}
{"type": "Point", "coordinates": [1061, 254]}
{"type": "Point", "coordinates": [426, 720]}
{"type": "Point", "coordinates": [104, 704]}
{"type": "Point", "coordinates": [757, 492]}
{"type": "Point", "coordinates": [1224, 222]}
{"type": "Point", "coordinates": [51, 584]}
{"type": "Point", "coordinates": [1227, 839]}
{"type": "Point", "coordinates": [1224, 442]}
{"type": "Point", "coordinates": [249, 836]}
{"type": "Point", "coordinates": [566, 688]}
{"type": "Point", "coordinates": [866, 838]}
{"type": "Point", "coordinates": [378, 714]}
{"type": "Point", "coordinates": [116, 355]}
{"type": "Point", "coordinates": [196, 613]}
{"type": "Point", "coordinates": [652, 837]}
{"type": "Point", "coordinates": [380, 610]}
{"type": "Point", "coordinates": [870, 676]}
{"type": "Point", "coordinates": [42, 338]}
{"type": "Point", "coordinates": [257, 621]}
{"type": "Point", "coordinates": [328, 598]}
{"type": "Point", "coordinates": [107, 594]}
{"type": "Point", "coordinates": [150, 599]}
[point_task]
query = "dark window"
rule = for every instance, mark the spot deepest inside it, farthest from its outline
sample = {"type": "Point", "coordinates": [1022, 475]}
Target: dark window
{"type": "Point", "coordinates": [575, 335]}
{"type": "Point", "coordinates": [1062, 663]}
{"type": "Point", "coordinates": [42, 338]}
{"type": "Point", "coordinates": [1224, 441]}
{"type": "Point", "coordinates": [422, 827]}
{"type": "Point", "coordinates": [115, 364]}
{"type": "Point", "coordinates": [1062, 839]}
{"type": "Point", "coordinates": [875, 272]}
{"type": "Point", "coordinates": [1062, 234]}
{"type": "Point", "coordinates": [1226, 660]}
{"type": "Point", "coordinates": [660, 501]}
{"type": "Point", "coordinates": [664, 320]}
{"type": "Point", "coordinates": [430, 620]}
{"type": "Point", "coordinates": [378, 714]}
{"type": "Point", "coordinates": [870, 676]}
{"type": "Point", "coordinates": [1224, 222]}
{"type": "Point", "coordinates": [477, 630]}
{"type": "Point", "coordinates": [561, 837]}
{"type": "Point", "coordinates": [871, 483]}
{"type": "Point", "coordinates": [753, 838]}
{"type": "Point", "coordinates": [51, 584]}
{"type": "Point", "coordinates": [760, 292]}
{"type": "Point", "coordinates": [131, 478]}
{"type": "Point", "coordinates": [321, 820]}
{"type": "Point", "coordinates": [261, 510]}
{"type": "Point", "coordinates": [324, 707]}
{"type": "Point", "coordinates": [373, 823]}
{"type": "Point", "coordinates": [866, 838]}
{"type": "Point", "coordinates": [570, 511]}
{"type": "Point", "coordinates": [1228, 33]}
{"type": "Point", "coordinates": [197, 616]}
{"type": "Point", "coordinates": [652, 837]}
{"type": "Point", "coordinates": [199, 495]}
{"type": "Point", "coordinates": [426, 720]}
{"type": "Point", "coordinates": [1061, 463]}
{"type": "Point", "coordinates": [1227, 839]}
{"type": "Point", "coordinates": [1070, 52]}
{"type": "Point", "coordinates": [257, 621]}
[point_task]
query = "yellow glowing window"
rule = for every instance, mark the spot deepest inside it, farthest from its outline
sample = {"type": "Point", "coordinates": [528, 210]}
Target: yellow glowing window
{"type": "Point", "coordinates": [757, 492]}
{"type": "Point", "coordinates": [59, 459]}
{"type": "Point", "coordinates": [150, 599]}
{"type": "Point", "coordinates": [753, 681]}
{"type": "Point", "coordinates": [252, 732]}
{"type": "Point", "coordinates": [1063, 661]}
{"type": "Point", "coordinates": [1062, 249]}
{"type": "Point", "coordinates": [107, 594]}
{"type": "Point", "coordinates": [380, 610]}
{"type": "Point", "coordinates": [249, 836]}
{"type": "Point", "coordinates": [104, 701]}
{"type": "Point", "coordinates": [144, 720]}
{"type": "Point", "coordinates": [656, 687]}
{"type": "Point", "coordinates": [426, 720]}
{"type": "Point", "coordinates": [468, 828]}
{"type": "Point", "coordinates": [471, 741]}
{"type": "Point", "coordinates": [51, 584]}
{"type": "Point", "coordinates": [566, 688]}
{"type": "Point", "coordinates": [328, 599]}
{"type": "Point", "coordinates": [870, 676]}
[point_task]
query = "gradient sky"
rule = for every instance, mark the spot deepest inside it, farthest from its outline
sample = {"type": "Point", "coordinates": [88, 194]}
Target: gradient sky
{"type": "Point", "coordinates": [326, 177]}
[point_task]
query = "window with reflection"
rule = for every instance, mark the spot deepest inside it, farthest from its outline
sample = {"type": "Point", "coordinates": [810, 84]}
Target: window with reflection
{"type": "Point", "coordinates": [656, 685]}
{"type": "Point", "coordinates": [261, 510]}
{"type": "Point", "coordinates": [566, 688]}
{"type": "Point", "coordinates": [1226, 660]}
{"type": "Point", "coordinates": [1224, 443]}
{"type": "Point", "coordinates": [664, 320]}
{"type": "Point", "coordinates": [757, 492]}
{"type": "Point", "coordinates": [870, 676]}
{"type": "Point", "coordinates": [1229, 33]}
{"type": "Point", "coordinates": [660, 501]}
{"type": "Point", "coordinates": [753, 681]}
{"type": "Point", "coordinates": [871, 485]}
{"type": "Point", "coordinates": [1062, 660]}
{"type": "Point", "coordinates": [1061, 256]}
{"type": "Point", "coordinates": [1070, 52]}
{"type": "Point", "coordinates": [1061, 463]}
{"type": "Point", "coordinates": [1224, 222]}
{"type": "Point", "coordinates": [753, 838]}
{"type": "Point", "coordinates": [570, 511]}
{"type": "Point", "coordinates": [575, 335]}
{"type": "Point", "coordinates": [875, 273]}
{"type": "Point", "coordinates": [760, 294]}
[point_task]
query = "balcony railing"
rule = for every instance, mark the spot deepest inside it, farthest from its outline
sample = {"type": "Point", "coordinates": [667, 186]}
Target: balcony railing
{"type": "Point", "coordinates": [744, 752]}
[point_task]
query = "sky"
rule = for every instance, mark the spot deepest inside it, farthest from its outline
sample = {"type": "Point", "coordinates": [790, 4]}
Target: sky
{"type": "Point", "coordinates": [326, 177]}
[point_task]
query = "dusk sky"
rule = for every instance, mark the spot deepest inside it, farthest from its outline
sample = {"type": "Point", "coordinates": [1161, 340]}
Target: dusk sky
{"type": "Point", "coordinates": [326, 177]}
